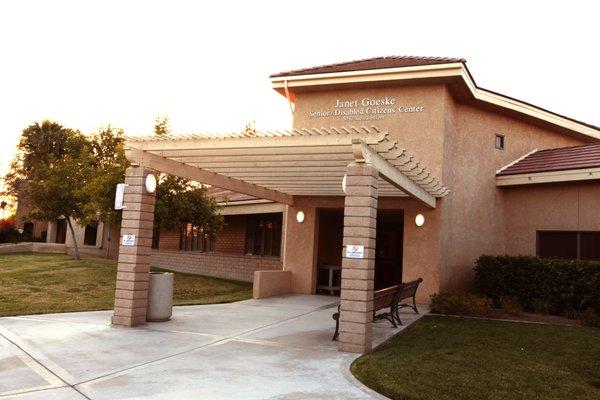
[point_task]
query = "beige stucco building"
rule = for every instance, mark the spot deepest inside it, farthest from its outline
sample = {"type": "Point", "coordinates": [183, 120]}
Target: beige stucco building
{"type": "Point", "coordinates": [404, 157]}
{"type": "Point", "coordinates": [395, 168]}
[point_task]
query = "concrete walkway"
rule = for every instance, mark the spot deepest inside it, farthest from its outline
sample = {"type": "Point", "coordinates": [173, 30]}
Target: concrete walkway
{"type": "Point", "coordinates": [276, 348]}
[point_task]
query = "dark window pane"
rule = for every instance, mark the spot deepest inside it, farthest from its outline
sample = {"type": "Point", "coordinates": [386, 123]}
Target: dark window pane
{"type": "Point", "coordinates": [28, 228]}
{"type": "Point", "coordinates": [89, 235]}
{"type": "Point", "coordinates": [258, 237]}
{"type": "Point", "coordinates": [590, 246]}
{"type": "Point", "coordinates": [500, 142]}
{"type": "Point", "coordinates": [263, 235]}
{"type": "Point", "coordinates": [61, 231]}
{"type": "Point", "coordinates": [182, 237]}
{"type": "Point", "coordinates": [249, 236]}
{"type": "Point", "coordinates": [155, 238]}
{"type": "Point", "coordinates": [557, 245]}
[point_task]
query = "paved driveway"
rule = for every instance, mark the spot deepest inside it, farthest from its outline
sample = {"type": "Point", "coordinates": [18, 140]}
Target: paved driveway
{"type": "Point", "coordinates": [276, 348]}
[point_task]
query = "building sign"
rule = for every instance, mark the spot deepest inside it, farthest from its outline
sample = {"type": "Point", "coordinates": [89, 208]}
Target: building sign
{"type": "Point", "coordinates": [128, 240]}
{"type": "Point", "coordinates": [365, 109]}
{"type": "Point", "coordinates": [120, 193]}
{"type": "Point", "coordinates": [355, 251]}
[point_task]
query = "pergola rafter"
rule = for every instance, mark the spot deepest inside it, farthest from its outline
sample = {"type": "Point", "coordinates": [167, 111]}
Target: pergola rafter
{"type": "Point", "coordinates": [277, 165]}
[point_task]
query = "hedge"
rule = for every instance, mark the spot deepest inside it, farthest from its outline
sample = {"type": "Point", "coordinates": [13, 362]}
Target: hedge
{"type": "Point", "coordinates": [543, 285]}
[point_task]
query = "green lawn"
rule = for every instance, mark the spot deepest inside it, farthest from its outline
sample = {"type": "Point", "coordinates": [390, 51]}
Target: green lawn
{"type": "Point", "coordinates": [462, 358]}
{"type": "Point", "coordinates": [49, 283]}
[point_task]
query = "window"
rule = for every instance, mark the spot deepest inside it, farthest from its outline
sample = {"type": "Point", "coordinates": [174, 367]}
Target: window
{"type": "Point", "coordinates": [89, 236]}
{"type": "Point", "coordinates": [569, 245]}
{"type": "Point", "coordinates": [589, 246]}
{"type": "Point", "coordinates": [263, 235]}
{"type": "Point", "coordinates": [155, 238]}
{"type": "Point", "coordinates": [193, 238]}
{"type": "Point", "coordinates": [28, 228]}
{"type": "Point", "coordinates": [499, 141]}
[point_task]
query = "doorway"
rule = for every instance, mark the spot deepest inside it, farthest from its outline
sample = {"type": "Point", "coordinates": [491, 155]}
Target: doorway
{"type": "Point", "coordinates": [61, 231]}
{"type": "Point", "coordinates": [388, 249]}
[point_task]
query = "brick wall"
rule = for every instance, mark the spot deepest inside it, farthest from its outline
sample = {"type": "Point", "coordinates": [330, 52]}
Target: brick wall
{"type": "Point", "coordinates": [220, 265]}
{"type": "Point", "coordinates": [230, 240]}
{"type": "Point", "coordinates": [168, 240]}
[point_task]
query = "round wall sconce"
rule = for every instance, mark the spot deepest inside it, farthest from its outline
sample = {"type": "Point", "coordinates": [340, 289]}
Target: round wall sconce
{"type": "Point", "coordinates": [344, 183]}
{"type": "Point", "coordinates": [419, 220]}
{"type": "Point", "coordinates": [300, 217]}
{"type": "Point", "coordinates": [150, 183]}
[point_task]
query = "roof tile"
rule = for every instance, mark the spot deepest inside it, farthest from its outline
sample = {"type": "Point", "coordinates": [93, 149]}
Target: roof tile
{"type": "Point", "coordinates": [565, 158]}
{"type": "Point", "coordinates": [372, 63]}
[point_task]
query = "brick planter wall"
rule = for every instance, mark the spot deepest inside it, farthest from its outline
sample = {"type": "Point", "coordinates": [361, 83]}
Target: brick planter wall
{"type": "Point", "coordinates": [219, 265]}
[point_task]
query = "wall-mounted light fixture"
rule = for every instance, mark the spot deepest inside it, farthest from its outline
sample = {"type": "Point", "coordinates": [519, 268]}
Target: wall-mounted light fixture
{"type": "Point", "coordinates": [419, 220]}
{"type": "Point", "coordinates": [150, 183]}
{"type": "Point", "coordinates": [344, 183]}
{"type": "Point", "coordinates": [300, 217]}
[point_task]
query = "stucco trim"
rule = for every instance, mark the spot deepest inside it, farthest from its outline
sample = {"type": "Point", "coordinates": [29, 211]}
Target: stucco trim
{"type": "Point", "coordinates": [587, 174]}
{"type": "Point", "coordinates": [256, 207]}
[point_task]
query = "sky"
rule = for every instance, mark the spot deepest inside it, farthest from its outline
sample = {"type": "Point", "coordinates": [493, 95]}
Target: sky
{"type": "Point", "coordinates": [205, 64]}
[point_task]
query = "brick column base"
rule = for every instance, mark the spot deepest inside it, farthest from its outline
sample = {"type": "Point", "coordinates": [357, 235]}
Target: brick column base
{"type": "Point", "coordinates": [131, 294]}
{"type": "Point", "coordinates": [356, 298]}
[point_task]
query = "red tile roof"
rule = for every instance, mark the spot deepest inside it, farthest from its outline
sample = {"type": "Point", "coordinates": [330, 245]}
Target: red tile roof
{"type": "Point", "coordinates": [565, 158]}
{"type": "Point", "coordinates": [372, 63]}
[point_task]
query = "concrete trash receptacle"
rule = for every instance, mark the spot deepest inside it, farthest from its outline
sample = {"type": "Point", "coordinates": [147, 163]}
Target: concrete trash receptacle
{"type": "Point", "coordinates": [160, 297]}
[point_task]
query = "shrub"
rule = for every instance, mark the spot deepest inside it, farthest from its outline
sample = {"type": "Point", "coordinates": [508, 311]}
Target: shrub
{"type": "Point", "coordinates": [543, 285]}
{"type": "Point", "coordinates": [8, 234]}
{"type": "Point", "coordinates": [590, 318]}
{"type": "Point", "coordinates": [460, 304]}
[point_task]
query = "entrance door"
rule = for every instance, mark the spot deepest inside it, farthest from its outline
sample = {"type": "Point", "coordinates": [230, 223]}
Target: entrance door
{"type": "Point", "coordinates": [61, 231]}
{"type": "Point", "coordinates": [388, 251]}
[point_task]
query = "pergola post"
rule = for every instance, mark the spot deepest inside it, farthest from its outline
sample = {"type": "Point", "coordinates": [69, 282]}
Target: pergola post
{"type": "Point", "coordinates": [356, 298]}
{"type": "Point", "coordinates": [131, 294]}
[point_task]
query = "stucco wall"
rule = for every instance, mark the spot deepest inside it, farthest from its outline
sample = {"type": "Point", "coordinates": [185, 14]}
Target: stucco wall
{"type": "Point", "coordinates": [422, 133]}
{"type": "Point", "coordinates": [456, 142]}
{"type": "Point", "coordinates": [474, 212]}
{"type": "Point", "coordinates": [569, 207]}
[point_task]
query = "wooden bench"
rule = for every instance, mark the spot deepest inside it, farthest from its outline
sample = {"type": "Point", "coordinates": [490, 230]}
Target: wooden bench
{"type": "Point", "coordinates": [389, 297]}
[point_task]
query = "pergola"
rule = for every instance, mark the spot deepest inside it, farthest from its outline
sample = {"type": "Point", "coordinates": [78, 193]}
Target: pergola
{"type": "Point", "coordinates": [277, 166]}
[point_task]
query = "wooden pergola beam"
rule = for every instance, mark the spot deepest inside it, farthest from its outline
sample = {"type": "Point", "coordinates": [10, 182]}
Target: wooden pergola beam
{"type": "Point", "coordinates": [145, 159]}
{"type": "Point", "coordinates": [259, 142]}
{"type": "Point", "coordinates": [363, 153]}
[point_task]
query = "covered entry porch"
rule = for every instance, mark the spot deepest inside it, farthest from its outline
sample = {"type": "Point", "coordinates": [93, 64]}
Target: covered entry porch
{"type": "Point", "coordinates": [359, 166]}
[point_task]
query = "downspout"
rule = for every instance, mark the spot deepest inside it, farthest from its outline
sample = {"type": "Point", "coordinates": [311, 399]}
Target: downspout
{"type": "Point", "coordinates": [287, 94]}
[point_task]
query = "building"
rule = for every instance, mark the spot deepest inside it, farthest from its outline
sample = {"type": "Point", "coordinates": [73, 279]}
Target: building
{"type": "Point", "coordinates": [395, 168]}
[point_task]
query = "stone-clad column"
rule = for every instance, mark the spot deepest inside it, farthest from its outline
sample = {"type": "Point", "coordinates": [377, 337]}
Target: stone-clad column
{"type": "Point", "coordinates": [131, 295]}
{"type": "Point", "coordinates": [356, 298]}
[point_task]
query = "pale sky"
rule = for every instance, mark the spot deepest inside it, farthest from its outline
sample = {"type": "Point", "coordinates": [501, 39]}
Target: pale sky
{"type": "Point", "coordinates": [206, 64]}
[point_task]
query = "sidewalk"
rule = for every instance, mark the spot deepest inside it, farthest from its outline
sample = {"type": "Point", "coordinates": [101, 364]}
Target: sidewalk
{"type": "Point", "coordinates": [275, 348]}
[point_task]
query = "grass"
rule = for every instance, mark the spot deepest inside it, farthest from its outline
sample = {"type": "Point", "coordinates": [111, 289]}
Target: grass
{"type": "Point", "coordinates": [33, 283]}
{"type": "Point", "coordinates": [462, 358]}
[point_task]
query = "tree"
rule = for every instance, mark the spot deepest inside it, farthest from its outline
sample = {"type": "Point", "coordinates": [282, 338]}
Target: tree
{"type": "Point", "coordinates": [180, 201]}
{"type": "Point", "coordinates": [161, 126]}
{"type": "Point", "coordinates": [68, 175]}
{"type": "Point", "coordinates": [108, 164]}
{"type": "Point", "coordinates": [51, 168]}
